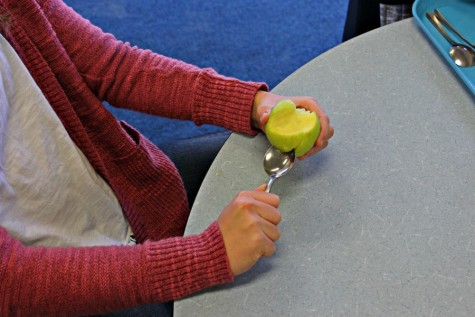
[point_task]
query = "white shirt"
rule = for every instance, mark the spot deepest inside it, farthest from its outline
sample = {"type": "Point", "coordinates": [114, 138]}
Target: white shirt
{"type": "Point", "coordinates": [50, 195]}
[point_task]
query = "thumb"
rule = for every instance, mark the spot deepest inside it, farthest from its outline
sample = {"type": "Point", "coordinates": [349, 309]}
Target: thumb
{"type": "Point", "coordinates": [263, 120]}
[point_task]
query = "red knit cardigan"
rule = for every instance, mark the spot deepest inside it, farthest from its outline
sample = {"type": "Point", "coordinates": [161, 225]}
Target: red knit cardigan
{"type": "Point", "coordinates": [77, 66]}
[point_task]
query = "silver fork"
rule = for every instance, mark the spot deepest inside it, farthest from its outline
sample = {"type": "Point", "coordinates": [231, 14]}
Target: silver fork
{"type": "Point", "coordinates": [442, 19]}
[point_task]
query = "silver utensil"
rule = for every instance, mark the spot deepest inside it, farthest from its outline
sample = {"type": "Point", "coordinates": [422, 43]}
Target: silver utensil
{"type": "Point", "coordinates": [276, 164]}
{"type": "Point", "coordinates": [444, 21]}
{"type": "Point", "coordinates": [462, 55]}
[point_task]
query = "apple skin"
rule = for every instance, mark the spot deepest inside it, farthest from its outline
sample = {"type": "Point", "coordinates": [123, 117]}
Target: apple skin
{"type": "Point", "coordinates": [291, 128]}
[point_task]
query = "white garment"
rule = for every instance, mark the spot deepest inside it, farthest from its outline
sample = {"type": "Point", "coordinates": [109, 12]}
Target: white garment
{"type": "Point", "coordinates": [50, 195]}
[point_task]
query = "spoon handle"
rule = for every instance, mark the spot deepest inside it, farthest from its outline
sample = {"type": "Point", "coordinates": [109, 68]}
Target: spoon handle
{"type": "Point", "coordinates": [442, 19]}
{"type": "Point", "coordinates": [269, 184]}
{"type": "Point", "coordinates": [433, 19]}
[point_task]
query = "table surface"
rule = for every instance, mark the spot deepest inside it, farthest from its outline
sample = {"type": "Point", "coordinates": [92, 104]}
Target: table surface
{"type": "Point", "coordinates": [382, 222]}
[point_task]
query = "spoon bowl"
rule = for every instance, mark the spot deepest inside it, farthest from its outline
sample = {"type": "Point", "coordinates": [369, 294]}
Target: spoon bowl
{"type": "Point", "coordinates": [276, 164]}
{"type": "Point", "coordinates": [462, 55]}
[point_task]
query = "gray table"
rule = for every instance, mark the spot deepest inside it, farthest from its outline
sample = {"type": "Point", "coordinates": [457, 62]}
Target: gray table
{"type": "Point", "coordinates": [381, 223]}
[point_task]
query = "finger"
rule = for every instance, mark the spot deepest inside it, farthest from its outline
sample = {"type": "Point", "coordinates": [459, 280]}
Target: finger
{"type": "Point", "coordinates": [268, 248]}
{"type": "Point", "coordinates": [268, 212]}
{"type": "Point", "coordinates": [262, 188]}
{"type": "Point", "coordinates": [326, 133]}
{"type": "Point", "coordinates": [321, 144]}
{"type": "Point", "coordinates": [270, 229]}
{"type": "Point", "coordinates": [311, 152]}
{"type": "Point", "coordinates": [267, 198]}
{"type": "Point", "coordinates": [263, 120]}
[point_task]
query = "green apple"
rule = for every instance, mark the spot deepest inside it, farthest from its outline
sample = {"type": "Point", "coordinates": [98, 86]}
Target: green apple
{"type": "Point", "coordinates": [291, 128]}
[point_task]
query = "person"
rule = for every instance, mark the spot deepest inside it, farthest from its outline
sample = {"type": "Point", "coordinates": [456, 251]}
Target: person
{"type": "Point", "coordinates": [77, 184]}
{"type": "Point", "coordinates": [366, 15]}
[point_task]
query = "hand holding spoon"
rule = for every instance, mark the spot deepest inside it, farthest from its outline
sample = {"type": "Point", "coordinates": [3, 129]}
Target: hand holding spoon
{"type": "Point", "coordinates": [462, 55]}
{"type": "Point", "coordinates": [276, 164]}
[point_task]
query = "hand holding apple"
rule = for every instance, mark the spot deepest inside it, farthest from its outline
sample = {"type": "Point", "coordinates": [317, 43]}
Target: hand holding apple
{"type": "Point", "coordinates": [291, 128]}
{"type": "Point", "coordinates": [265, 101]}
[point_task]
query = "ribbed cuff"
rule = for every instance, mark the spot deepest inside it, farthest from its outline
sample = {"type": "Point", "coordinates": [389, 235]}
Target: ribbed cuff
{"type": "Point", "coordinates": [225, 101]}
{"type": "Point", "coordinates": [181, 266]}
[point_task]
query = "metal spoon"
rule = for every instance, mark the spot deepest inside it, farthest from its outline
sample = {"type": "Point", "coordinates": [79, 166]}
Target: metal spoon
{"type": "Point", "coordinates": [277, 163]}
{"type": "Point", "coordinates": [444, 21]}
{"type": "Point", "coordinates": [462, 55]}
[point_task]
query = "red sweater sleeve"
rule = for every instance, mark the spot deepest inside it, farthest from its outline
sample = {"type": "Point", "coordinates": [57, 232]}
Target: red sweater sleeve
{"type": "Point", "coordinates": [141, 80]}
{"type": "Point", "coordinates": [38, 281]}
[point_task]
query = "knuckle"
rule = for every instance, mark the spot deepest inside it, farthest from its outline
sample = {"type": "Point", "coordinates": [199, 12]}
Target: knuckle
{"type": "Point", "coordinates": [259, 240]}
{"type": "Point", "coordinates": [252, 225]}
{"type": "Point", "coordinates": [243, 200]}
{"type": "Point", "coordinates": [241, 195]}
